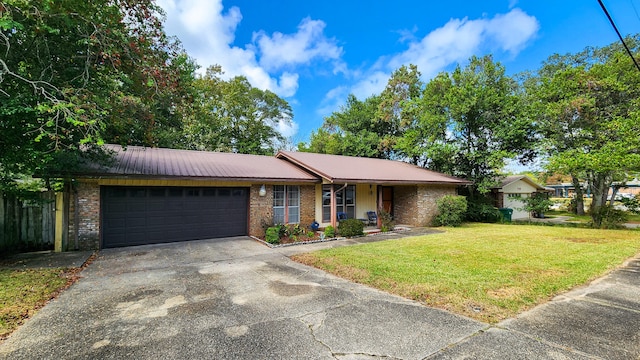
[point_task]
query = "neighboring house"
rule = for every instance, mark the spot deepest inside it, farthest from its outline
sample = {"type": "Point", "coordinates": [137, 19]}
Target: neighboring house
{"type": "Point", "coordinates": [630, 189]}
{"type": "Point", "coordinates": [563, 190]}
{"type": "Point", "coordinates": [152, 195]}
{"type": "Point", "coordinates": [510, 192]}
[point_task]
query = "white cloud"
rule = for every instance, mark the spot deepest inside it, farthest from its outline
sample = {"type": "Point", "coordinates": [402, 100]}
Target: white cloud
{"type": "Point", "coordinates": [513, 30]}
{"type": "Point", "coordinates": [335, 98]}
{"type": "Point", "coordinates": [207, 31]}
{"type": "Point", "coordinates": [454, 42]}
{"type": "Point", "coordinates": [287, 129]}
{"type": "Point", "coordinates": [309, 43]}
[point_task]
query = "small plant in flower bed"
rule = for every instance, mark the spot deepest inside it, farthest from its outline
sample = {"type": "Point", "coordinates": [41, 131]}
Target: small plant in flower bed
{"type": "Point", "coordinates": [285, 234]}
{"type": "Point", "coordinates": [351, 227]}
{"type": "Point", "coordinates": [272, 235]}
{"type": "Point", "coordinates": [329, 231]}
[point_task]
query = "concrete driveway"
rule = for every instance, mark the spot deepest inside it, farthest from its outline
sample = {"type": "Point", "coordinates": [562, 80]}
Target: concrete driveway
{"type": "Point", "coordinates": [231, 298]}
{"type": "Point", "coordinates": [235, 298]}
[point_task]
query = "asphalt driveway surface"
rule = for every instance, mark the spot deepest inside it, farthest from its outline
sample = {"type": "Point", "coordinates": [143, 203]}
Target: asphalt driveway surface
{"type": "Point", "coordinates": [237, 299]}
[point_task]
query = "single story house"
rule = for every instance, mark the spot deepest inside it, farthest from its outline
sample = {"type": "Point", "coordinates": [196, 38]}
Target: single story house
{"type": "Point", "coordinates": [155, 195]}
{"type": "Point", "coordinates": [511, 190]}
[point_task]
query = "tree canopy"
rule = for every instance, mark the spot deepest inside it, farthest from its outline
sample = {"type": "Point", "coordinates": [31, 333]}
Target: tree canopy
{"type": "Point", "coordinates": [586, 106]}
{"type": "Point", "coordinates": [76, 74]}
{"type": "Point", "coordinates": [467, 123]}
{"type": "Point", "coordinates": [233, 116]}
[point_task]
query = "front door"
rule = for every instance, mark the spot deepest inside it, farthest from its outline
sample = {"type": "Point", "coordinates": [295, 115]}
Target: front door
{"type": "Point", "coordinates": [387, 199]}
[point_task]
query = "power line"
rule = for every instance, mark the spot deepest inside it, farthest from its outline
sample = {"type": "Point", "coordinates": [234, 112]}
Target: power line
{"type": "Point", "coordinates": [634, 9]}
{"type": "Point", "coordinates": [618, 32]}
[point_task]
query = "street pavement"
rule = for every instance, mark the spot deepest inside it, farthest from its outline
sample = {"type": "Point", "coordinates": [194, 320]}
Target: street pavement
{"type": "Point", "coordinates": [235, 298]}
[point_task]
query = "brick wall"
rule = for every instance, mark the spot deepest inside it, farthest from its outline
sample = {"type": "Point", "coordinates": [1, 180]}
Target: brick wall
{"type": "Point", "coordinates": [416, 205]}
{"type": "Point", "coordinates": [405, 199]}
{"type": "Point", "coordinates": [260, 210]}
{"type": "Point", "coordinates": [307, 205]}
{"type": "Point", "coordinates": [88, 200]}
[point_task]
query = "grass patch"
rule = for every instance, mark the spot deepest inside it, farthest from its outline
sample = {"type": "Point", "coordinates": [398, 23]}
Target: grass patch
{"type": "Point", "coordinates": [488, 272]}
{"type": "Point", "coordinates": [631, 218]}
{"type": "Point", "coordinates": [573, 217]}
{"type": "Point", "coordinates": [22, 292]}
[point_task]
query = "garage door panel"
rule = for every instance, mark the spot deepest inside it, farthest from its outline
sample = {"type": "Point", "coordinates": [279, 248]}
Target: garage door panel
{"type": "Point", "coordinates": [145, 215]}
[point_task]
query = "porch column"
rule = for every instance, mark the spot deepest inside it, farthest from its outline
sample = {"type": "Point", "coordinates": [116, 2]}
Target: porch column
{"type": "Point", "coordinates": [379, 205]}
{"type": "Point", "coordinates": [334, 214]}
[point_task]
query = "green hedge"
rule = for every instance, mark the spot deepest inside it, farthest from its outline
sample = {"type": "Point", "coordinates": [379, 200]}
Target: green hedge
{"type": "Point", "coordinates": [350, 227]}
{"type": "Point", "coordinates": [451, 210]}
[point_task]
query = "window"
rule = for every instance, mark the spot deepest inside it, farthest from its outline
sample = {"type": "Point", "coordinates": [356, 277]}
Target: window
{"type": "Point", "coordinates": [286, 204]}
{"type": "Point", "coordinates": [345, 201]}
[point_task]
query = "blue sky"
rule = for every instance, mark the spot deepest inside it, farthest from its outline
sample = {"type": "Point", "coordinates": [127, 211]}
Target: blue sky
{"type": "Point", "coordinates": [314, 53]}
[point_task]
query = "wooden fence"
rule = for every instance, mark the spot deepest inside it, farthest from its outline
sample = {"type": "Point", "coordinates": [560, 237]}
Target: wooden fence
{"type": "Point", "coordinates": [27, 225]}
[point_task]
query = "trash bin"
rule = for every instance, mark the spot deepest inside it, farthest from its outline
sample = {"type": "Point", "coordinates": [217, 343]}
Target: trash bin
{"type": "Point", "coordinates": [506, 214]}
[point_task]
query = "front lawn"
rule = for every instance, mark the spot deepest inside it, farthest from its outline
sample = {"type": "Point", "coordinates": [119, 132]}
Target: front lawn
{"type": "Point", "coordinates": [22, 292]}
{"type": "Point", "coordinates": [631, 218]}
{"type": "Point", "coordinates": [485, 271]}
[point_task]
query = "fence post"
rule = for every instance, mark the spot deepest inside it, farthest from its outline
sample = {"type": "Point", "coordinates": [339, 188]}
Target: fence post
{"type": "Point", "coordinates": [59, 221]}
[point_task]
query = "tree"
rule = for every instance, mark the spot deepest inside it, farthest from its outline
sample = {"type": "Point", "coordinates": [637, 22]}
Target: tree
{"type": "Point", "coordinates": [469, 122]}
{"type": "Point", "coordinates": [233, 116]}
{"type": "Point", "coordinates": [354, 130]}
{"type": "Point", "coordinates": [75, 73]}
{"type": "Point", "coordinates": [371, 128]}
{"type": "Point", "coordinates": [587, 113]}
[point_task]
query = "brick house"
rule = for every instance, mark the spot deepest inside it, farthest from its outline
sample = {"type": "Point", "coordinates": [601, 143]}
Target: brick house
{"type": "Point", "coordinates": [153, 195]}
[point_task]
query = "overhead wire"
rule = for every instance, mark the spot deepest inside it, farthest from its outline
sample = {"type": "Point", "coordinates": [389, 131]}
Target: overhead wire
{"type": "Point", "coordinates": [618, 32]}
{"type": "Point", "coordinates": [633, 5]}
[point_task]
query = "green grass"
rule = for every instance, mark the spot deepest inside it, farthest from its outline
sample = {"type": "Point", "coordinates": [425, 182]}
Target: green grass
{"type": "Point", "coordinates": [485, 271]}
{"type": "Point", "coordinates": [573, 217]}
{"type": "Point", "coordinates": [22, 292]}
{"type": "Point", "coordinates": [631, 218]}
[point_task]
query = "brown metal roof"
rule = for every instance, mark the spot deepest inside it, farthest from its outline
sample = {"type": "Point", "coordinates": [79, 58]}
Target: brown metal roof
{"type": "Point", "coordinates": [350, 169]}
{"type": "Point", "coordinates": [137, 161]}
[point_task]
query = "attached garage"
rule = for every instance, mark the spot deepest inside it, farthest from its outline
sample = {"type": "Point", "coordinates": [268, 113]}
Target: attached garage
{"type": "Point", "coordinates": [136, 215]}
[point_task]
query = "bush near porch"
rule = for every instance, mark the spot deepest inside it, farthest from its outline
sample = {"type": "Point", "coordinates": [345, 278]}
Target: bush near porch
{"type": "Point", "coordinates": [488, 272]}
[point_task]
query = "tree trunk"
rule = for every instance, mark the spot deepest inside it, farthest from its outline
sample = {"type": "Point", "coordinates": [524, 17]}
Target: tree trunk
{"type": "Point", "coordinates": [600, 183]}
{"type": "Point", "coordinates": [614, 192]}
{"type": "Point", "coordinates": [579, 195]}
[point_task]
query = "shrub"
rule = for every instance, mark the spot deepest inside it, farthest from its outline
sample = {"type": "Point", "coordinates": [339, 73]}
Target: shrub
{"type": "Point", "coordinates": [272, 235]}
{"type": "Point", "coordinates": [632, 204]}
{"type": "Point", "coordinates": [451, 210]}
{"type": "Point", "coordinates": [386, 221]}
{"type": "Point", "coordinates": [351, 227]}
{"type": "Point", "coordinates": [537, 203]}
{"type": "Point", "coordinates": [329, 231]}
{"type": "Point", "coordinates": [610, 217]}
{"type": "Point", "coordinates": [481, 209]}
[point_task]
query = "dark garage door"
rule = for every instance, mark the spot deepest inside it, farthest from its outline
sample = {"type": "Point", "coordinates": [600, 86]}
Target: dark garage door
{"type": "Point", "coordinates": [151, 215]}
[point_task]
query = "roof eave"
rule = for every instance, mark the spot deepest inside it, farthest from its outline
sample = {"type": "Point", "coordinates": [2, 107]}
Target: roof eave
{"type": "Point", "coordinates": [400, 182]}
{"type": "Point", "coordinates": [196, 178]}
